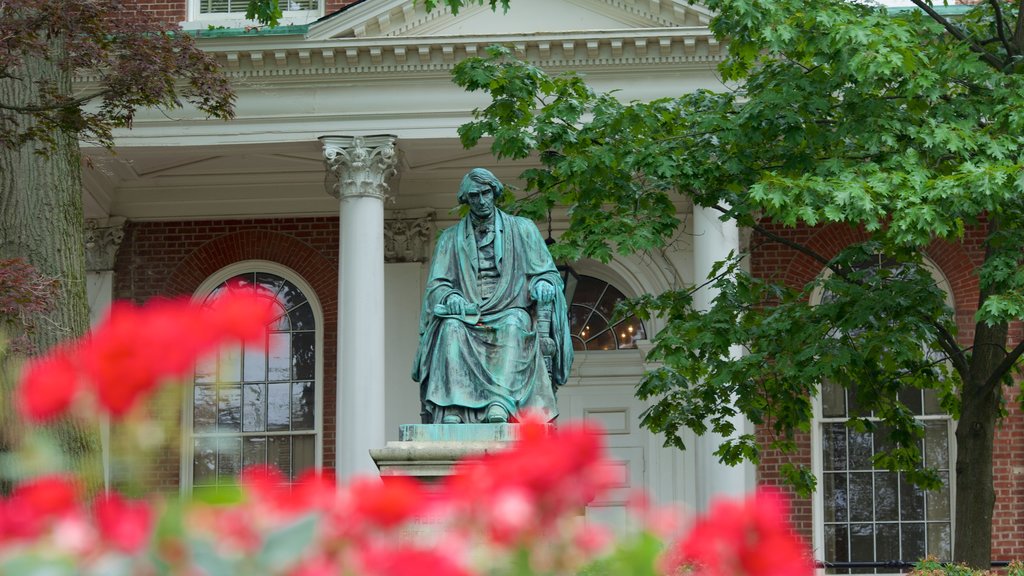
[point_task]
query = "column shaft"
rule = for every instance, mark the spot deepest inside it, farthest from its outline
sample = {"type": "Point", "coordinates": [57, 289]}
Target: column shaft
{"type": "Point", "coordinates": [713, 239]}
{"type": "Point", "coordinates": [359, 168]}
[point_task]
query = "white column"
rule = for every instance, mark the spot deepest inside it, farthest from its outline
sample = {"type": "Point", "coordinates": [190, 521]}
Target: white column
{"type": "Point", "coordinates": [359, 167]}
{"type": "Point", "coordinates": [102, 239]}
{"type": "Point", "coordinates": [713, 239]}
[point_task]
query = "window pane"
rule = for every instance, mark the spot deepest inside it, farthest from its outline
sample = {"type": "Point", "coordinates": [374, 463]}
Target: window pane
{"type": "Point", "coordinates": [303, 454]}
{"type": "Point", "coordinates": [833, 442]}
{"type": "Point", "coordinates": [833, 400]}
{"type": "Point", "coordinates": [254, 451]}
{"type": "Point", "coordinates": [290, 296]}
{"type": "Point", "coordinates": [204, 409]}
{"type": "Point", "coordinates": [931, 403]}
{"type": "Point", "coordinates": [911, 501]}
{"type": "Point", "coordinates": [938, 500]}
{"type": "Point", "coordinates": [861, 505]}
{"type": "Point", "coordinates": [303, 405]}
{"type": "Point", "coordinates": [278, 407]}
{"type": "Point", "coordinates": [629, 331]}
{"type": "Point", "coordinates": [911, 397]}
{"type": "Point", "coordinates": [230, 368]}
{"type": "Point", "coordinates": [594, 327]}
{"type": "Point", "coordinates": [862, 543]}
{"type": "Point", "coordinates": [279, 453]}
{"type": "Point", "coordinates": [887, 542]}
{"type": "Point", "coordinates": [912, 540]}
{"type": "Point", "coordinates": [861, 450]}
{"type": "Point", "coordinates": [834, 496]}
{"type": "Point", "coordinates": [588, 291]}
{"type": "Point", "coordinates": [603, 341]}
{"type": "Point", "coordinates": [229, 413]}
{"type": "Point", "coordinates": [607, 304]}
{"type": "Point", "coordinates": [204, 462]}
{"type": "Point", "coordinates": [229, 459]}
{"type": "Point", "coordinates": [303, 355]}
{"type": "Point", "coordinates": [302, 318]}
{"type": "Point", "coordinates": [279, 359]}
{"type": "Point", "coordinates": [886, 497]}
{"type": "Point", "coordinates": [940, 541]}
{"type": "Point", "coordinates": [206, 370]}
{"type": "Point", "coordinates": [254, 364]}
{"type": "Point", "coordinates": [270, 282]}
{"type": "Point", "coordinates": [936, 444]}
{"type": "Point", "coordinates": [254, 408]}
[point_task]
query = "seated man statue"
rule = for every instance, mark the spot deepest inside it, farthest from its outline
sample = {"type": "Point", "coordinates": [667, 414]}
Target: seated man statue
{"type": "Point", "coordinates": [493, 309]}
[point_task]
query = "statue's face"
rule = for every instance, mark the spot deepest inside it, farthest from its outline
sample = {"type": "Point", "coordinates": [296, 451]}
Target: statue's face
{"type": "Point", "coordinates": [481, 200]}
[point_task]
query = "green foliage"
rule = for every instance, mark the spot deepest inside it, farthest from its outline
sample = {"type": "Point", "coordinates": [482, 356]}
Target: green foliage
{"type": "Point", "coordinates": [905, 127]}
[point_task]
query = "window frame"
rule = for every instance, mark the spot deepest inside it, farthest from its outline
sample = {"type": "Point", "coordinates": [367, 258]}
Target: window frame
{"type": "Point", "coordinates": [817, 456]}
{"type": "Point", "coordinates": [193, 14]}
{"type": "Point", "coordinates": [199, 296]}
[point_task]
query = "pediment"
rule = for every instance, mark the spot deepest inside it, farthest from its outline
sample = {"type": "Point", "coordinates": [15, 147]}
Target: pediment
{"type": "Point", "coordinates": [408, 18]}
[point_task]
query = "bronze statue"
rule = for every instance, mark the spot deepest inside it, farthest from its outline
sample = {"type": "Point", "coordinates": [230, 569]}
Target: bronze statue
{"type": "Point", "coordinates": [494, 330]}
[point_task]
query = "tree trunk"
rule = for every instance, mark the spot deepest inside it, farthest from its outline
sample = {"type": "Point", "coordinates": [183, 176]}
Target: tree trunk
{"type": "Point", "coordinates": [975, 434]}
{"type": "Point", "coordinates": [41, 220]}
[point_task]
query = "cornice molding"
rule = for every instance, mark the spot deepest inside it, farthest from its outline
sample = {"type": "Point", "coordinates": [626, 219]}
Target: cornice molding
{"type": "Point", "coordinates": [587, 50]}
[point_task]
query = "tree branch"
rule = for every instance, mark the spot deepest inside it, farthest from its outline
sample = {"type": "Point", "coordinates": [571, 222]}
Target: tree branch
{"type": "Point", "coordinates": [1010, 51]}
{"type": "Point", "coordinates": [957, 33]}
{"type": "Point", "coordinates": [73, 102]}
{"type": "Point", "coordinates": [946, 340]}
{"type": "Point", "coordinates": [1004, 366]}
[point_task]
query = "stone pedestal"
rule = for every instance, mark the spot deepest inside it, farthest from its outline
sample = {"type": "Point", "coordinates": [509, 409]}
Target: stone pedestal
{"type": "Point", "coordinates": [429, 451]}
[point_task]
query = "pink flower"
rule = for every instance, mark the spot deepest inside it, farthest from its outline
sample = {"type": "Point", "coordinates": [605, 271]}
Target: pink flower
{"type": "Point", "coordinates": [125, 525]}
{"type": "Point", "coordinates": [751, 537]}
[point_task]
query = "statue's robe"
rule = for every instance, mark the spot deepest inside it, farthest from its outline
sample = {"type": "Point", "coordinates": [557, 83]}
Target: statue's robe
{"type": "Point", "coordinates": [491, 354]}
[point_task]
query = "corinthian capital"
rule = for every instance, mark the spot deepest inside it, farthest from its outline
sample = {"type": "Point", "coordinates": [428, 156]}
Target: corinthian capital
{"type": "Point", "coordinates": [102, 239]}
{"type": "Point", "coordinates": [359, 165]}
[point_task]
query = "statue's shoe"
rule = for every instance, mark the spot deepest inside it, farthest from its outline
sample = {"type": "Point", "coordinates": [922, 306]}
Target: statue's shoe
{"type": "Point", "coordinates": [496, 415]}
{"type": "Point", "coordinates": [452, 419]}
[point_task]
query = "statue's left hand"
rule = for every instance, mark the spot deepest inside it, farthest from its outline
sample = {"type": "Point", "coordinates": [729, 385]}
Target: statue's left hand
{"type": "Point", "coordinates": [543, 291]}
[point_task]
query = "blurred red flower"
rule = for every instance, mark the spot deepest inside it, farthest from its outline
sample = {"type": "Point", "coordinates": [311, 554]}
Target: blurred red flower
{"type": "Point", "coordinates": [48, 386]}
{"type": "Point", "coordinates": [750, 537]}
{"type": "Point", "coordinates": [136, 348]}
{"type": "Point", "coordinates": [126, 525]}
{"type": "Point", "coordinates": [33, 504]}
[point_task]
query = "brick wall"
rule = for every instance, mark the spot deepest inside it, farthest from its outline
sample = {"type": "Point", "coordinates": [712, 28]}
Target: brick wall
{"type": "Point", "coordinates": [174, 258]}
{"type": "Point", "coordinates": [957, 262]}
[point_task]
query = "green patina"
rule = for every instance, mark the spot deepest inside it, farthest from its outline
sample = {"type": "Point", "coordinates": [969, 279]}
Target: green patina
{"type": "Point", "coordinates": [494, 332]}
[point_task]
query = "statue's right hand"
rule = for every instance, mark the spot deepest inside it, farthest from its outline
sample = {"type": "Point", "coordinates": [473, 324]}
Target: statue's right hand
{"type": "Point", "coordinates": [456, 304]}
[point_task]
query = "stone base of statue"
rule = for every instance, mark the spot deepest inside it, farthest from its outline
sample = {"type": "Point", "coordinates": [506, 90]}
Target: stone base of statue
{"type": "Point", "coordinates": [429, 451]}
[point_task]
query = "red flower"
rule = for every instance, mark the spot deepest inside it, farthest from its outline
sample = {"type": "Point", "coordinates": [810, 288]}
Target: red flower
{"type": "Point", "coordinates": [136, 348]}
{"type": "Point", "coordinates": [409, 561]}
{"type": "Point", "coordinates": [387, 503]}
{"type": "Point", "coordinates": [33, 504]}
{"type": "Point", "coordinates": [48, 386]}
{"type": "Point", "coordinates": [752, 537]}
{"type": "Point", "coordinates": [126, 525]}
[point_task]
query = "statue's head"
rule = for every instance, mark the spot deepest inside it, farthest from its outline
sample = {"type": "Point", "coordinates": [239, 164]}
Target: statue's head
{"type": "Point", "coordinates": [473, 179]}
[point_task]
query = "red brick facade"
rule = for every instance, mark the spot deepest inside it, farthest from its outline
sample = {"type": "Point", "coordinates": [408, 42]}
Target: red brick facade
{"type": "Point", "coordinates": [174, 258]}
{"type": "Point", "coordinates": [957, 262]}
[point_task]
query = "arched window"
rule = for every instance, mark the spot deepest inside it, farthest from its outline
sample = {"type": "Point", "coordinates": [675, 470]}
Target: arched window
{"type": "Point", "coordinates": [868, 514]}
{"type": "Point", "coordinates": [259, 404]}
{"type": "Point", "coordinates": [590, 313]}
